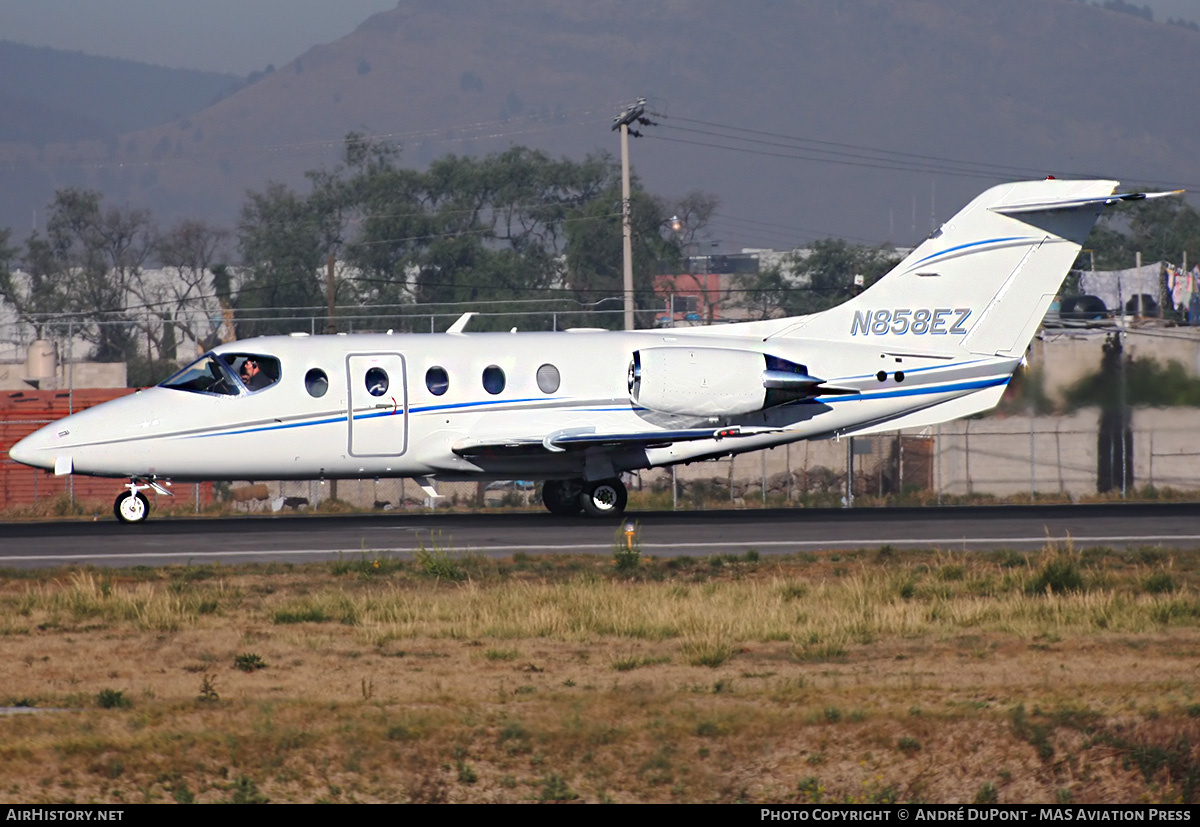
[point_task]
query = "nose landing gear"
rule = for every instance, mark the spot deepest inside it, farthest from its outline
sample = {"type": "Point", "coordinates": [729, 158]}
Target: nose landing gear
{"type": "Point", "coordinates": [131, 507]}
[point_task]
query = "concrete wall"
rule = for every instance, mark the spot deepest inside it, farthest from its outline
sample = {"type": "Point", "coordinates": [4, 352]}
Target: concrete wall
{"type": "Point", "coordinates": [1065, 356]}
{"type": "Point", "coordinates": [1000, 456]}
{"type": "Point", "coordinates": [81, 375]}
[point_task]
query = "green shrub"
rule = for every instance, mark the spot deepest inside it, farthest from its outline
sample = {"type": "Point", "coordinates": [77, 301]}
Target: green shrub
{"type": "Point", "coordinates": [249, 662]}
{"type": "Point", "coordinates": [1058, 575]}
{"type": "Point", "coordinates": [554, 788]}
{"type": "Point", "coordinates": [1159, 582]}
{"type": "Point", "coordinates": [113, 699]}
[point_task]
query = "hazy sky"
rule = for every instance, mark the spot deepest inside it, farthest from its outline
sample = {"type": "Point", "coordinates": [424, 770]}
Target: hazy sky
{"type": "Point", "coordinates": [238, 36]}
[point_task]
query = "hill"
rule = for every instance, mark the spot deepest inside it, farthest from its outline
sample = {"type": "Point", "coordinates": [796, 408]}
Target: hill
{"type": "Point", "coordinates": [1019, 89]}
{"type": "Point", "coordinates": [50, 95]}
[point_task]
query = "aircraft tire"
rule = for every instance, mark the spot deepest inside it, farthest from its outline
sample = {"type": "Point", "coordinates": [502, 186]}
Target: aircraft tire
{"type": "Point", "coordinates": [603, 498]}
{"type": "Point", "coordinates": [561, 497]}
{"type": "Point", "coordinates": [131, 507]}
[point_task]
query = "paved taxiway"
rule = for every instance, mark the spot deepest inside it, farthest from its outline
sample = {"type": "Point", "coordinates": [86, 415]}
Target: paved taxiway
{"type": "Point", "coordinates": [777, 531]}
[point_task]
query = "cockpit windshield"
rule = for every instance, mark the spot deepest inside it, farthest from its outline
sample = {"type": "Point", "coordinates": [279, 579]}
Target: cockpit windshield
{"type": "Point", "coordinates": [228, 374]}
{"type": "Point", "coordinates": [208, 374]}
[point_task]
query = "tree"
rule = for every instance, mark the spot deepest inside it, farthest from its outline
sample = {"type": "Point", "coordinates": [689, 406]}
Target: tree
{"type": "Point", "coordinates": [1163, 229]}
{"type": "Point", "coordinates": [487, 230]}
{"type": "Point", "coordinates": [283, 247]}
{"type": "Point", "coordinates": [392, 220]}
{"type": "Point", "coordinates": [83, 269]}
{"type": "Point", "coordinates": [189, 301]}
{"type": "Point", "coordinates": [688, 236]}
{"type": "Point", "coordinates": [594, 256]}
{"type": "Point", "coordinates": [10, 291]}
{"type": "Point", "coordinates": [816, 279]}
{"type": "Point", "coordinates": [42, 295]}
{"type": "Point", "coordinates": [767, 294]}
{"type": "Point", "coordinates": [689, 219]}
{"type": "Point", "coordinates": [490, 230]}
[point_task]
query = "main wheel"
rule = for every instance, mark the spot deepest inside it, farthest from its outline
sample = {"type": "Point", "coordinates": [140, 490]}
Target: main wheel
{"type": "Point", "coordinates": [131, 507]}
{"type": "Point", "coordinates": [605, 498]}
{"type": "Point", "coordinates": [561, 497]}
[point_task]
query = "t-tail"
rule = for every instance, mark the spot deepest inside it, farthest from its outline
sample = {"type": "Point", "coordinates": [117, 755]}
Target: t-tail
{"type": "Point", "coordinates": [983, 282]}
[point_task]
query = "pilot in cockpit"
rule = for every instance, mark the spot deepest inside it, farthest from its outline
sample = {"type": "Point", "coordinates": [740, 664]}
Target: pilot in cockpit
{"type": "Point", "coordinates": [253, 377]}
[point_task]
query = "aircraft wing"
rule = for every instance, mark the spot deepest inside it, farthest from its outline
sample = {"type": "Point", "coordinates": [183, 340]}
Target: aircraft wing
{"type": "Point", "coordinates": [579, 438]}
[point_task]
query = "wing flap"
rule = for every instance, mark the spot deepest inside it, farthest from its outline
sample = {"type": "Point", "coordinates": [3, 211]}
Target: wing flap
{"type": "Point", "coordinates": [580, 438]}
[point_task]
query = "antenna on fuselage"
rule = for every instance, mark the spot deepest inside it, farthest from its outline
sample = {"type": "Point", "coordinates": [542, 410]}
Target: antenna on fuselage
{"type": "Point", "coordinates": [460, 324]}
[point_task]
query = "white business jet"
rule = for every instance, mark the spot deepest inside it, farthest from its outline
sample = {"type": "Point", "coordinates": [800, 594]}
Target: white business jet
{"type": "Point", "coordinates": [935, 339]}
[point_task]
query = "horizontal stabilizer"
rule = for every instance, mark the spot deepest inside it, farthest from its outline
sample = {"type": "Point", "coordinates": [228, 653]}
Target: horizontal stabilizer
{"type": "Point", "coordinates": [1078, 203]}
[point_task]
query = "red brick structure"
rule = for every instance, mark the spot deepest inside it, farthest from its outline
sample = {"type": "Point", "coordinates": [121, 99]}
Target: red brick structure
{"type": "Point", "coordinates": [22, 413]}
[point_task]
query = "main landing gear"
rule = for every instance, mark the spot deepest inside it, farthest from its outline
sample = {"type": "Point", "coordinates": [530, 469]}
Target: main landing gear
{"type": "Point", "coordinates": [599, 498]}
{"type": "Point", "coordinates": [131, 507]}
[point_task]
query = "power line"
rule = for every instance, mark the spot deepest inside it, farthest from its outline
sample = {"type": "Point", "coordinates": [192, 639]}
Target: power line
{"type": "Point", "coordinates": [814, 150]}
{"type": "Point", "coordinates": [801, 156]}
{"type": "Point", "coordinates": [856, 150]}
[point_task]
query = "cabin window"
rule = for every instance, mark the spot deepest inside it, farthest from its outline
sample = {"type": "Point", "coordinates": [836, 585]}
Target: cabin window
{"type": "Point", "coordinates": [493, 379]}
{"type": "Point", "coordinates": [316, 383]}
{"type": "Point", "coordinates": [548, 379]}
{"type": "Point", "coordinates": [208, 374]}
{"type": "Point", "coordinates": [437, 380]}
{"type": "Point", "coordinates": [377, 381]}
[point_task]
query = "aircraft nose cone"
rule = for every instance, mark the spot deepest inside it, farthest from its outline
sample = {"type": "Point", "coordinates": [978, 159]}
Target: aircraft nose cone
{"type": "Point", "coordinates": [27, 451]}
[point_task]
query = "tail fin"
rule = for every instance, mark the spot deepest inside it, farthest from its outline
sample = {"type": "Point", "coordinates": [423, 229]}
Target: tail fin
{"type": "Point", "coordinates": [983, 282]}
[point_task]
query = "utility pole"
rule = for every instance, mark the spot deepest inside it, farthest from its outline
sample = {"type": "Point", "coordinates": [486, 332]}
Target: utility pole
{"type": "Point", "coordinates": [630, 115]}
{"type": "Point", "coordinates": [331, 328]}
{"type": "Point", "coordinates": [330, 290]}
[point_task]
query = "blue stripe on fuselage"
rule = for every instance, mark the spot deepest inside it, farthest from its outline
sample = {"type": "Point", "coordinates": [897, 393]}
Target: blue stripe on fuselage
{"type": "Point", "coordinates": [828, 400]}
{"type": "Point", "coordinates": [925, 389]}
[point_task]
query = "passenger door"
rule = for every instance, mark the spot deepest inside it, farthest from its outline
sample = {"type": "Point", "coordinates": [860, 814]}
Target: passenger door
{"type": "Point", "coordinates": [377, 401]}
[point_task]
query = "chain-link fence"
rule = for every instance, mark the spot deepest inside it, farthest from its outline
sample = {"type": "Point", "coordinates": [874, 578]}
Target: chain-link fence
{"type": "Point", "coordinates": [1070, 456]}
{"type": "Point", "coordinates": [197, 329]}
{"type": "Point", "coordinates": [1007, 459]}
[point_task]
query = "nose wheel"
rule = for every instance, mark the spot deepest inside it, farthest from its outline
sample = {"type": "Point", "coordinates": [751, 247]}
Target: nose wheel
{"type": "Point", "coordinates": [131, 507]}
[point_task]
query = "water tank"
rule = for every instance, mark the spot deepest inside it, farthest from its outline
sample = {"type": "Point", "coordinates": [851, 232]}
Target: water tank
{"type": "Point", "coordinates": [1143, 304]}
{"type": "Point", "coordinates": [42, 360]}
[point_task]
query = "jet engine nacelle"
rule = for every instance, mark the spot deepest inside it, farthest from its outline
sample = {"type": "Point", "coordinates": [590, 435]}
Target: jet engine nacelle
{"type": "Point", "coordinates": [709, 381]}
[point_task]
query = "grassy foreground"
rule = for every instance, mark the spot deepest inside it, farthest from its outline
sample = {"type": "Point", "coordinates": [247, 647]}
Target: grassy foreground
{"type": "Point", "coordinates": [869, 676]}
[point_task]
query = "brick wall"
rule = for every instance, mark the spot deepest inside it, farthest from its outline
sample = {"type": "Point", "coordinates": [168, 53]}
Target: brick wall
{"type": "Point", "coordinates": [22, 413]}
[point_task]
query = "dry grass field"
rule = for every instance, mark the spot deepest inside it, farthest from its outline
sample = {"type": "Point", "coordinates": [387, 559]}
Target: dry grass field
{"type": "Point", "coordinates": [869, 676]}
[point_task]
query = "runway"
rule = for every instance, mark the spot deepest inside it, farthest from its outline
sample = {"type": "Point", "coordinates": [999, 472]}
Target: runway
{"type": "Point", "coordinates": [306, 538]}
